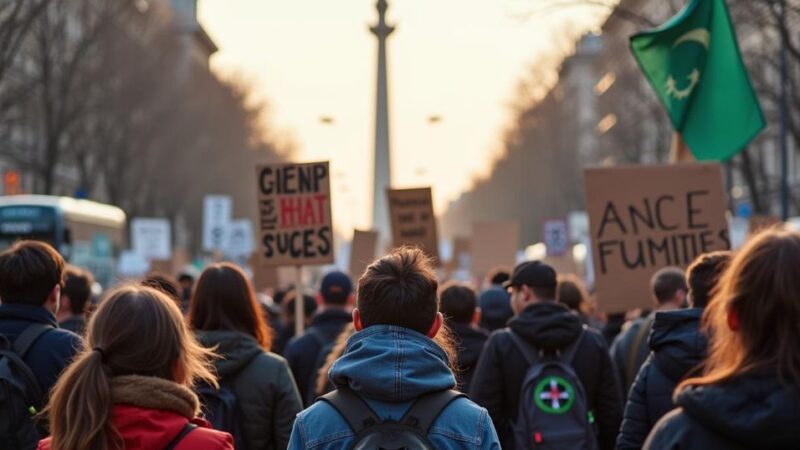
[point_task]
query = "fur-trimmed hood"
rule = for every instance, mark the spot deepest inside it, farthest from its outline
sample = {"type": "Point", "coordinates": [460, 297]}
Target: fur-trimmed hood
{"type": "Point", "coordinates": [154, 393]}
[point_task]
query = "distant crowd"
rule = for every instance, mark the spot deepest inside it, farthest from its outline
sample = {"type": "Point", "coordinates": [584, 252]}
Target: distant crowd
{"type": "Point", "coordinates": [394, 360]}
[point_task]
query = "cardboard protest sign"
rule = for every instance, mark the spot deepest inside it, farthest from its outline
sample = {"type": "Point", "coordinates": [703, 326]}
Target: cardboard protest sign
{"type": "Point", "coordinates": [362, 251]}
{"type": "Point", "coordinates": [644, 218]}
{"type": "Point", "coordinates": [493, 244]}
{"type": "Point", "coordinates": [413, 221]}
{"type": "Point", "coordinates": [294, 204]}
{"type": "Point", "coordinates": [461, 247]}
{"type": "Point", "coordinates": [555, 237]}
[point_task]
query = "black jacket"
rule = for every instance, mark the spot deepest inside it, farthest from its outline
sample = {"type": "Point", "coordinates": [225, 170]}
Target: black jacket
{"type": "Point", "coordinates": [547, 326]}
{"type": "Point", "coordinates": [302, 352]}
{"type": "Point", "coordinates": [470, 342]}
{"type": "Point", "coordinates": [678, 346]}
{"type": "Point", "coordinates": [265, 391]}
{"type": "Point", "coordinates": [51, 352]}
{"type": "Point", "coordinates": [623, 347]}
{"type": "Point", "coordinates": [754, 411]}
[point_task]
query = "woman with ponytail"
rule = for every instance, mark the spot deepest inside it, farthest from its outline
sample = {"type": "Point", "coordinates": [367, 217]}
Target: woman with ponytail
{"type": "Point", "coordinates": [748, 396]}
{"type": "Point", "coordinates": [130, 389]}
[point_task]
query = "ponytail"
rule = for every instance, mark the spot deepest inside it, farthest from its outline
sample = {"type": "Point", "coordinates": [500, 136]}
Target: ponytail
{"type": "Point", "coordinates": [80, 406]}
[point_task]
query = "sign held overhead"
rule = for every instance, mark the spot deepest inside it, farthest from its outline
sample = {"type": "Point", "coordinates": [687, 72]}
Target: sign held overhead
{"type": "Point", "coordinates": [294, 204]}
{"type": "Point", "coordinates": [674, 214]}
{"type": "Point", "coordinates": [413, 221]}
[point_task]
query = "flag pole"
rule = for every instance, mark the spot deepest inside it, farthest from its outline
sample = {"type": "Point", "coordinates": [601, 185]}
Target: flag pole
{"type": "Point", "coordinates": [784, 108]}
{"type": "Point", "coordinates": [678, 151]}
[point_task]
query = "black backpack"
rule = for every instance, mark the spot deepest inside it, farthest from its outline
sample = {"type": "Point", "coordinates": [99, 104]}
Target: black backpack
{"type": "Point", "coordinates": [374, 433]}
{"type": "Point", "coordinates": [220, 407]}
{"type": "Point", "coordinates": [20, 393]}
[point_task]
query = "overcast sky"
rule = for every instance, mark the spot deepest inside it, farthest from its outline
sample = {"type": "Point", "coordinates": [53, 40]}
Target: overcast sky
{"type": "Point", "coordinates": [457, 59]}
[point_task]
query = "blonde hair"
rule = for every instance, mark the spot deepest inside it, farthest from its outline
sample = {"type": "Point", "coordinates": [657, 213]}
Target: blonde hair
{"type": "Point", "coordinates": [760, 287]}
{"type": "Point", "coordinates": [136, 330]}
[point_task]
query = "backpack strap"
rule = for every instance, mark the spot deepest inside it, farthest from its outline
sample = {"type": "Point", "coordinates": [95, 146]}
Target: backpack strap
{"type": "Point", "coordinates": [568, 352]}
{"type": "Point", "coordinates": [530, 354]}
{"type": "Point", "coordinates": [427, 408]}
{"type": "Point", "coordinates": [352, 408]}
{"type": "Point", "coordinates": [25, 340]}
{"type": "Point", "coordinates": [182, 434]}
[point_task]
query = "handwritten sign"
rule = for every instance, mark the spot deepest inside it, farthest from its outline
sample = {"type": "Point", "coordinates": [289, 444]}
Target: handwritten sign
{"type": "Point", "coordinates": [413, 221]}
{"type": "Point", "coordinates": [294, 204]}
{"type": "Point", "coordinates": [644, 218]}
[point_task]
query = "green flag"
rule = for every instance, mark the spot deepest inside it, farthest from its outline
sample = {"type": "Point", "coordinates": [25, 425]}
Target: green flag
{"type": "Point", "coordinates": [693, 63]}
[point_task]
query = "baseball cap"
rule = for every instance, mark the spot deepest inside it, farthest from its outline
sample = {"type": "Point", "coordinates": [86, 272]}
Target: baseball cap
{"type": "Point", "coordinates": [336, 287]}
{"type": "Point", "coordinates": [532, 273]}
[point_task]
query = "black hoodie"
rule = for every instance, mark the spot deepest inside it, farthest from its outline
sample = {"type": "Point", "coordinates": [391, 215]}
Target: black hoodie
{"type": "Point", "coordinates": [547, 326]}
{"type": "Point", "coordinates": [754, 411]}
{"type": "Point", "coordinates": [678, 346]}
{"type": "Point", "coordinates": [470, 342]}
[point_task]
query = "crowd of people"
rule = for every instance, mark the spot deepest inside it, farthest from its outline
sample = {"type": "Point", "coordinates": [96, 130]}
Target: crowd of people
{"type": "Point", "coordinates": [396, 359]}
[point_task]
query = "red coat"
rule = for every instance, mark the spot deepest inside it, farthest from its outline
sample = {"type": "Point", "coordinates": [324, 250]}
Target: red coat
{"type": "Point", "coordinates": [153, 429]}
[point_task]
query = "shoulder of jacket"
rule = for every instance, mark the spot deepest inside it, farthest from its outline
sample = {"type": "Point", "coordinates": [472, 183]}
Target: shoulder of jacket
{"type": "Point", "coordinates": [202, 438]}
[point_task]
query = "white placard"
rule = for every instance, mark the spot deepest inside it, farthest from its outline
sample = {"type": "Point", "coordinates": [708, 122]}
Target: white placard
{"type": "Point", "coordinates": [217, 210]}
{"type": "Point", "coordinates": [578, 226]}
{"type": "Point", "coordinates": [151, 238]}
{"type": "Point", "coordinates": [240, 238]}
{"type": "Point", "coordinates": [556, 237]}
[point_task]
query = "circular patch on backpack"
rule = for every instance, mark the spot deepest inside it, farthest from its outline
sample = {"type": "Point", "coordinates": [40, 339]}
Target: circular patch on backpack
{"type": "Point", "coordinates": [554, 395]}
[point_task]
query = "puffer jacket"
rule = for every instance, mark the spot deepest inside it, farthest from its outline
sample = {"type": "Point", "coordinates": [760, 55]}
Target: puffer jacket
{"type": "Point", "coordinates": [390, 367]}
{"type": "Point", "coordinates": [752, 411]}
{"type": "Point", "coordinates": [678, 346]}
{"type": "Point", "coordinates": [547, 326]}
{"type": "Point", "coordinates": [149, 412]}
{"type": "Point", "coordinates": [265, 390]}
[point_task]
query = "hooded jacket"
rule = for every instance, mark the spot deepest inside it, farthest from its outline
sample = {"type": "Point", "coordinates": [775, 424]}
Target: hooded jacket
{"type": "Point", "coordinates": [263, 385]}
{"type": "Point", "coordinates": [470, 342]}
{"type": "Point", "coordinates": [753, 411]}
{"type": "Point", "coordinates": [547, 326]}
{"type": "Point", "coordinates": [303, 352]}
{"type": "Point", "coordinates": [149, 412]}
{"type": "Point", "coordinates": [390, 367]}
{"type": "Point", "coordinates": [678, 346]}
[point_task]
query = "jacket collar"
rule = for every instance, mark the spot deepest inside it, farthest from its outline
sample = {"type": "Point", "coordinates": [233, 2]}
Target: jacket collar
{"type": "Point", "coordinates": [29, 313]}
{"type": "Point", "coordinates": [154, 393]}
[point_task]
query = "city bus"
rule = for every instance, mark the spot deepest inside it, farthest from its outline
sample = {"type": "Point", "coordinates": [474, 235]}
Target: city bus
{"type": "Point", "coordinates": [88, 234]}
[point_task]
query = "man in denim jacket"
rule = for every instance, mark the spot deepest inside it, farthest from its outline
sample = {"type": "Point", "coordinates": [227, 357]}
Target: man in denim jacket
{"type": "Point", "coordinates": [392, 360]}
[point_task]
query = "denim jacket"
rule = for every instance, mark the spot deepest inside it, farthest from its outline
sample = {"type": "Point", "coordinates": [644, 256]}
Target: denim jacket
{"type": "Point", "coordinates": [389, 367]}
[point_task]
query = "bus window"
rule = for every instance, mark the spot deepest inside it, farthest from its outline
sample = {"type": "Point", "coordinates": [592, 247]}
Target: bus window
{"type": "Point", "coordinates": [28, 222]}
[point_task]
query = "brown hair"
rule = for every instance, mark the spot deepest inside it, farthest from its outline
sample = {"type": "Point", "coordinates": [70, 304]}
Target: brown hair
{"type": "Point", "coordinates": [761, 287]}
{"type": "Point", "coordinates": [458, 302]}
{"type": "Point", "coordinates": [666, 283]}
{"type": "Point", "coordinates": [224, 300]}
{"type": "Point", "coordinates": [572, 293]}
{"type": "Point", "coordinates": [702, 275]}
{"type": "Point", "coordinates": [139, 331]}
{"type": "Point", "coordinates": [29, 270]}
{"type": "Point", "coordinates": [78, 287]}
{"type": "Point", "coordinates": [164, 283]}
{"type": "Point", "coordinates": [399, 289]}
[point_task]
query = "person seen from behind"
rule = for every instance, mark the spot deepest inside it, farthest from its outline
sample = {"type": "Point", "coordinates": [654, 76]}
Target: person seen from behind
{"type": "Point", "coordinates": [130, 388]}
{"type": "Point", "coordinates": [287, 330]}
{"type": "Point", "coordinates": [390, 364]}
{"type": "Point", "coordinates": [31, 280]}
{"type": "Point", "coordinates": [305, 353]}
{"type": "Point", "coordinates": [226, 317]}
{"type": "Point", "coordinates": [545, 331]}
{"type": "Point", "coordinates": [748, 396]}
{"type": "Point", "coordinates": [75, 295]}
{"type": "Point", "coordinates": [462, 316]}
{"type": "Point", "coordinates": [678, 346]}
{"type": "Point", "coordinates": [629, 349]}
{"type": "Point", "coordinates": [494, 302]}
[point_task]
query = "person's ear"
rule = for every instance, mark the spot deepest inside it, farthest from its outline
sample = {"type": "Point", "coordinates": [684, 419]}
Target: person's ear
{"type": "Point", "coordinates": [527, 293]}
{"type": "Point", "coordinates": [476, 317]}
{"type": "Point", "coordinates": [357, 320]}
{"type": "Point", "coordinates": [54, 298]}
{"type": "Point", "coordinates": [733, 319]}
{"type": "Point", "coordinates": [436, 325]}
